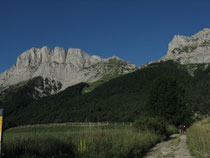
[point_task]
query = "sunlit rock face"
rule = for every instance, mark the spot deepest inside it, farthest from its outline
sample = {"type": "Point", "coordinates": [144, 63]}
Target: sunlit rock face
{"type": "Point", "coordinates": [190, 50]}
{"type": "Point", "coordinates": [68, 67]}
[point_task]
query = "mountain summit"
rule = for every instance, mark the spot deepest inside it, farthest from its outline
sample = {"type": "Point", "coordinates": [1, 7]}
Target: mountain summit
{"type": "Point", "coordinates": [68, 67]}
{"type": "Point", "coordinates": [190, 50]}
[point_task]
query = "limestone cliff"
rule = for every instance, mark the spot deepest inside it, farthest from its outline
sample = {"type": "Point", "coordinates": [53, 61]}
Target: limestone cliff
{"type": "Point", "coordinates": [190, 50]}
{"type": "Point", "coordinates": [67, 67]}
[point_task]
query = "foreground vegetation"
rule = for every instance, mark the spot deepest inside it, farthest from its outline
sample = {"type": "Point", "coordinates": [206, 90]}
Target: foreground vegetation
{"type": "Point", "coordinates": [78, 142]}
{"type": "Point", "coordinates": [198, 138]}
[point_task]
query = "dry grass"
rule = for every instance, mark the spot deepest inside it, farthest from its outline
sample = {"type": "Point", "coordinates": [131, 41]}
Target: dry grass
{"type": "Point", "coordinates": [78, 142]}
{"type": "Point", "coordinates": [198, 138]}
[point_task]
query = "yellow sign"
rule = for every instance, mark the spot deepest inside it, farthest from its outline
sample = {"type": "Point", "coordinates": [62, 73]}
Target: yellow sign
{"type": "Point", "coordinates": [1, 129]}
{"type": "Point", "coordinates": [1, 123]}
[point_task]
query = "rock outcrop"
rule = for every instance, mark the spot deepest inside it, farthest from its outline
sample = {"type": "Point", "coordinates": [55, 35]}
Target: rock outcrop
{"type": "Point", "coordinates": [68, 67]}
{"type": "Point", "coordinates": [190, 50]}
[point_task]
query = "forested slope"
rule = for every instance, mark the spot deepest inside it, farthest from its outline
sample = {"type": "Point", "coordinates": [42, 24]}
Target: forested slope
{"type": "Point", "coordinates": [121, 99]}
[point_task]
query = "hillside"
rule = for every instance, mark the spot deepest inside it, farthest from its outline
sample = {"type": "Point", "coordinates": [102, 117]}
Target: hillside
{"type": "Point", "coordinates": [121, 99]}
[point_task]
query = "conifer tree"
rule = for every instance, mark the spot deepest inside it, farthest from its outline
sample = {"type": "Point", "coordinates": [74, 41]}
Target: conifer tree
{"type": "Point", "coordinates": [167, 100]}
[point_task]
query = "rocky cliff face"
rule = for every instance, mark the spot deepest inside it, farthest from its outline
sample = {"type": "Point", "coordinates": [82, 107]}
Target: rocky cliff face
{"type": "Point", "coordinates": [190, 50]}
{"type": "Point", "coordinates": [67, 67]}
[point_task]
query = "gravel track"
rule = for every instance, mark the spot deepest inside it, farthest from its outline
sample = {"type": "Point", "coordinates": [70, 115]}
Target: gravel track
{"type": "Point", "coordinates": [175, 147]}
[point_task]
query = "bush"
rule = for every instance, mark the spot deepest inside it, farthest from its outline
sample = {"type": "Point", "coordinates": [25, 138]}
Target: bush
{"type": "Point", "coordinates": [154, 124]}
{"type": "Point", "coordinates": [198, 117]}
{"type": "Point", "coordinates": [172, 129]}
{"type": "Point", "coordinates": [8, 124]}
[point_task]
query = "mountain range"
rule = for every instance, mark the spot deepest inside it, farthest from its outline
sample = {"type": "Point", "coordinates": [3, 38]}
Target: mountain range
{"type": "Point", "coordinates": [65, 67]}
{"type": "Point", "coordinates": [61, 86]}
{"type": "Point", "coordinates": [74, 65]}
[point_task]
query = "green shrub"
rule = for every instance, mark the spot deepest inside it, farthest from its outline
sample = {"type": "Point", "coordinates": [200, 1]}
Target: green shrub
{"type": "Point", "coordinates": [153, 124]}
{"type": "Point", "coordinates": [172, 129]}
{"type": "Point", "coordinates": [8, 124]}
{"type": "Point", "coordinates": [198, 117]}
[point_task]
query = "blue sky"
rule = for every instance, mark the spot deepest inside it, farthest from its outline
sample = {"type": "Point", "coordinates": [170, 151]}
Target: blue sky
{"type": "Point", "coordinates": [135, 30]}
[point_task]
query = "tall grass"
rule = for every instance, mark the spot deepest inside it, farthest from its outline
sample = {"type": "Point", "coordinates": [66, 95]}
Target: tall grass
{"type": "Point", "coordinates": [198, 138]}
{"type": "Point", "coordinates": [84, 142]}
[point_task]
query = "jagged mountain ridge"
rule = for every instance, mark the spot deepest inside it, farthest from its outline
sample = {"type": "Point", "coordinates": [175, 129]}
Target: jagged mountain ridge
{"type": "Point", "coordinates": [190, 50]}
{"type": "Point", "coordinates": [120, 99]}
{"type": "Point", "coordinates": [68, 67]}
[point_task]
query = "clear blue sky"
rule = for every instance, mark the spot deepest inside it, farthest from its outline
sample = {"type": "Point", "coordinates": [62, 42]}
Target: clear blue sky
{"type": "Point", "coordinates": [135, 30]}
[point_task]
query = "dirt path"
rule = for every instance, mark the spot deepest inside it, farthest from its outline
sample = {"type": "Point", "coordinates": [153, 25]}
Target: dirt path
{"type": "Point", "coordinates": [175, 147]}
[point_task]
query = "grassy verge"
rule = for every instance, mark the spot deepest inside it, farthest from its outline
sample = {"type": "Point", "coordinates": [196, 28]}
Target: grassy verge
{"type": "Point", "coordinates": [78, 142]}
{"type": "Point", "coordinates": [198, 138]}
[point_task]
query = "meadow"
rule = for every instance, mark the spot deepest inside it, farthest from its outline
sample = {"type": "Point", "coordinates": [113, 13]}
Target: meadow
{"type": "Point", "coordinates": [106, 141]}
{"type": "Point", "coordinates": [198, 138]}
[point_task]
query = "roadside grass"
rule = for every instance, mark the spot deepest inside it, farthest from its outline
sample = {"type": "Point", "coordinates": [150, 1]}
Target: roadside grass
{"type": "Point", "coordinates": [198, 138]}
{"type": "Point", "coordinates": [78, 142]}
